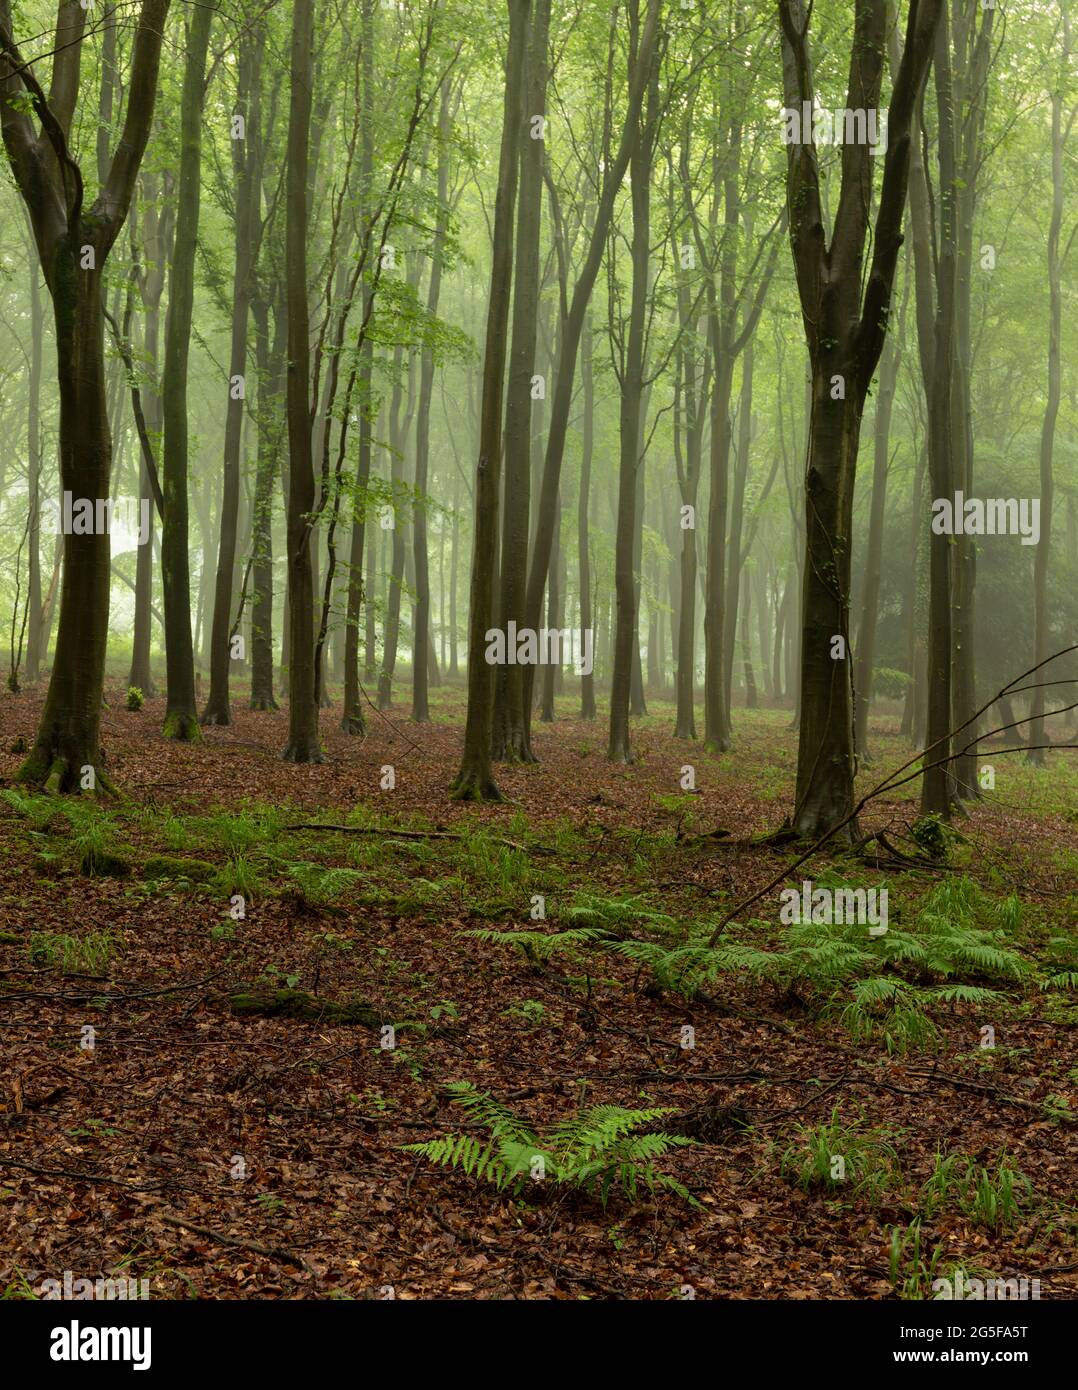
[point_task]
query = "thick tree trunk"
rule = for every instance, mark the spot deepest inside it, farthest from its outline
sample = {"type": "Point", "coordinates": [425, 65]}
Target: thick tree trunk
{"type": "Point", "coordinates": [845, 308]}
{"type": "Point", "coordinates": [826, 762]}
{"type": "Point", "coordinates": [66, 755]}
{"type": "Point", "coordinates": [73, 245]}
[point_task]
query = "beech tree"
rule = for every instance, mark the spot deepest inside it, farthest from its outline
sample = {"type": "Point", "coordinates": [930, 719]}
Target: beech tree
{"type": "Point", "coordinates": [73, 241]}
{"type": "Point", "coordinates": [845, 308]}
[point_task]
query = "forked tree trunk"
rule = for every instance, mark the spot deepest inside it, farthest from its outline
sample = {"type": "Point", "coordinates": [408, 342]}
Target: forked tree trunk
{"type": "Point", "coordinates": [845, 306]}
{"type": "Point", "coordinates": [73, 244]}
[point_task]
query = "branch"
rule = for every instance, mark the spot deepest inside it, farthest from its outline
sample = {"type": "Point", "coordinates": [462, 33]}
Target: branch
{"type": "Point", "coordinates": [889, 784]}
{"type": "Point", "coordinates": [115, 198]}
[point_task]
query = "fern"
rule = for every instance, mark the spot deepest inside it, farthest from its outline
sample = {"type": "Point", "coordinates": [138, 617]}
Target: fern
{"type": "Point", "coordinates": [539, 945]}
{"type": "Point", "coordinates": [594, 1150]}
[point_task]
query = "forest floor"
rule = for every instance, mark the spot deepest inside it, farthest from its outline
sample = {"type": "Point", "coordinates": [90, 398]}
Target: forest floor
{"type": "Point", "coordinates": [856, 1133]}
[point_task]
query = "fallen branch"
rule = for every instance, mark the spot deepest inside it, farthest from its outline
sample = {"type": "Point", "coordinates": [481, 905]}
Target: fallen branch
{"type": "Point", "coordinates": [413, 835]}
{"type": "Point", "coordinates": [223, 1238]}
{"type": "Point", "coordinates": [889, 784]}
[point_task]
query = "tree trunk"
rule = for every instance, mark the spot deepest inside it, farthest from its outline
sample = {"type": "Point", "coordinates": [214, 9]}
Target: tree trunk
{"type": "Point", "coordinates": [587, 618]}
{"type": "Point", "coordinates": [245, 168]}
{"type": "Point", "coordinates": [845, 306]}
{"type": "Point", "coordinates": [734, 557]}
{"type": "Point", "coordinates": [73, 245]}
{"type": "Point", "coordinates": [870, 597]}
{"type": "Point", "coordinates": [569, 340]}
{"type": "Point", "coordinates": [422, 627]}
{"type": "Point", "coordinates": [1041, 625]}
{"type": "Point", "coordinates": [303, 743]}
{"type": "Point", "coordinates": [510, 740]}
{"type": "Point", "coordinates": [474, 780]}
{"type": "Point", "coordinates": [271, 377]}
{"type": "Point", "coordinates": [158, 212]}
{"type": "Point", "coordinates": [632, 394]}
{"type": "Point", "coordinates": [34, 650]}
{"type": "Point", "coordinates": [181, 718]}
{"type": "Point", "coordinates": [938, 789]}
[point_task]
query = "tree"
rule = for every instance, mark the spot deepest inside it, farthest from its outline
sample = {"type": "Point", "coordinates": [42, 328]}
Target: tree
{"type": "Point", "coordinates": [845, 315]}
{"type": "Point", "coordinates": [246, 156]}
{"type": "Point", "coordinates": [73, 243]}
{"type": "Point", "coordinates": [1061, 131]}
{"type": "Point", "coordinates": [474, 780]}
{"type": "Point", "coordinates": [510, 736]}
{"type": "Point", "coordinates": [303, 743]}
{"type": "Point", "coordinates": [181, 716]}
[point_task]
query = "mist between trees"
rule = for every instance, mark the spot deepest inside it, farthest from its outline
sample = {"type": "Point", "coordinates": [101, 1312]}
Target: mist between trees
{"type": "Point", "coordinates": [575, 353]}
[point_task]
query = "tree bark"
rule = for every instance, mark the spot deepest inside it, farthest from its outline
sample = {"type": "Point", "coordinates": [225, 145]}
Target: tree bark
{"type": "Point", "coordinates": [73, 244]}
{"type": "Point", "coordinates": [474, 780]}
{"type": "Point", "coordinates": [181, 718]}
{"type": "Point", "coordinates": [246, 155]}
{"type": "Point", "coordinates": [303, 742]}
{"type": "Point", "coordinates": [510, 740]}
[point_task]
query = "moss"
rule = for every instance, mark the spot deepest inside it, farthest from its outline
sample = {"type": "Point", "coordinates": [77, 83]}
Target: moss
{"type": "Point", "coordinates": [166, 866]}
{"type": "Point", "coordinates": [97, 863]}
{"type": "Point", "coordinates": [181, 727]}
{"type": "Point", "coordinates": [296, 1003]}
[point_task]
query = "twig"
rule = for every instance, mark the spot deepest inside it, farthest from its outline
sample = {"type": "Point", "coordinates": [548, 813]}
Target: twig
{"type": "Point", "coordinates": [223, 1238]}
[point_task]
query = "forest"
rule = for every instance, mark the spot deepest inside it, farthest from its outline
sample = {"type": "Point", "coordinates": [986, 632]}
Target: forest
{"type": "Point", "coordinates": [539, 632]}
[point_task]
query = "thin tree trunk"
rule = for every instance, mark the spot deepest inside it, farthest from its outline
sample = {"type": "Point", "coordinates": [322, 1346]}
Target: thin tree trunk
{"type": "Point", "coordinates": [1042, 557]}
{"type": "Point", "coordinates": [181, 717]}
{"type": "Point", "coordinates": [474, 780]}
{"type": "Point", "coordinates": [510, 737]}
{"type": "Point", "coordinates": [303, 744]}
{"type": "Point", "coordinates": [245, 162]}
{"type": "Point", "coordinates": [422, 626]}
